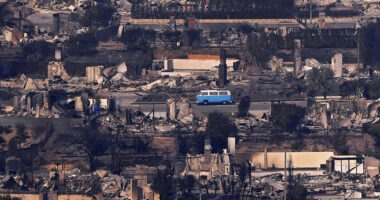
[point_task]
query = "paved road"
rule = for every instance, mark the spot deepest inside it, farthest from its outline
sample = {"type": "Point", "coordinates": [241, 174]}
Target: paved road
{"type": "Point", "coordinates": [255, 107]}
{"type": "Point", "coordinates": [219, 26]}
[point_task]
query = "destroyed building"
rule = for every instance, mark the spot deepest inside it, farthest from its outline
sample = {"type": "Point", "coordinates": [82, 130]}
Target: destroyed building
{"type": "Point", "coordinates": [113, 115]}
{"type": "Point", "coordinates": [208, 166]}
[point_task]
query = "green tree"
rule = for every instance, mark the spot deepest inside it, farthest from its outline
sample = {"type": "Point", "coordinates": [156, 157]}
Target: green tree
{"type": "Point", "coordinates": [354, 87]}
{"type": "Point", "coordinates": [243, 106]}
{"type": "Point", "coordinates": [2, 140]}
{"type": "Point", "coordinates": [99, 15]}
{"type": "Point", "coordinates": [186, 185]}
{"type": "Point", "coordinates": [246, 28]}
{"type": "Point", "coordinates": [163, 182]}
{"type": "Point", "coordinates": [192, 38]}
{"type": "Point", "coordinates": [369, 43]}
{"type": "Point", "coordinates": [320, 80]}
{"type": "Point", "coordinates": [6, 15]}
{"type": "Point", "coordinates": [21, 135]}
{"type": "Point", "coordinates": [298, 192]}
{"type": "Point", "coordinates": [5, 129]}
{"type": "Point", "coordinates": [140, 145]}
{"type": "Point", "coordinates": [365, 38]}
{"type": "Point", "coordinates": [372, 89]}
{"type": "Point", "coordinates": [298, 143]}
{"type": "Point", "coordinates": [183, 147]}
{"type": "Point", "coordinates": [82, 44]}
{"type": "Point", "coordinates": [138, 38]}
{"type": "Point", "coordinates": [218, 128]}
{"type": "Point", "coordinates": [339, 141]}
{"type": "Point", "coordinates": [198, 141]}
{"type": "Point", "coordinates": [374, 130]}
{"type": "Point", "coordinates": [347, 88]}
{"type": "Point", "coordinates": [38, 50]}
{"type": "Point", "coordinates": [287, 116]}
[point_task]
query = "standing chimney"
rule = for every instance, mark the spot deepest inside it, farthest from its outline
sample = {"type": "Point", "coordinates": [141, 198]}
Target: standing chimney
{"type": "Point", "coordinates": [37, 110]}
{"type": "Point", "coordinates": [56, 23]}
{"type": "Point", "coordinates": [231, 145]}
{"type": "Point", "coordinates": [207, 146]}
{"type": "Point", "coordinates": [58, 54]}
{"type": "Point", "coordinates": [222, 68]}
{"type": "Point", "coordinates": [336, 64]}
{"type": "Point", "coordinates": [15, 104]}
{"type": "Point", "coordinates": [265, 158]}
{"type": "Point", "coordinates": [172, 111]}
{"type": "Point", "coordinates": [297, 57]}
{"type": "Point", "coordinates": [45, 100]}
{"type": "Point", "coordinates": [128, 117]}
{"type": "Point", "coordinates": [29, 105]}
{"type": "Point", "coordinates": [134, 190]}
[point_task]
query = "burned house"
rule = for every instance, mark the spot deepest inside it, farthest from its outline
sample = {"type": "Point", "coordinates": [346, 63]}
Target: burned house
{"type": "Point", "coordinates": [94, 74]}
{"type": "Point", "coordinates": [196, 64]}
{"type": "Point", "coordinates": [207, 166]}
{"type": "Point", "coordinates": [56, 71]}
{"type": "Point", "coordinates": [60, 23]}
{"type": "Point", "coordinates": [346, 164]}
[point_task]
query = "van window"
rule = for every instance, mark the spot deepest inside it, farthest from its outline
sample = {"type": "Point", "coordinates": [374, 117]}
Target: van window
{"type": "Point", "coordinates": [204, 93]}
{"type": "Point", "coordinates": [223, 93]}
{"type": "Point", "coordinates": [214, 93]}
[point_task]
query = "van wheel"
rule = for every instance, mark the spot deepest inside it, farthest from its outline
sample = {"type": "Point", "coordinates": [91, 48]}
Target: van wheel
{"type": "Point", "coordinates": [205, 102]}
{"type": "Point", "coordinates": [224, 102]}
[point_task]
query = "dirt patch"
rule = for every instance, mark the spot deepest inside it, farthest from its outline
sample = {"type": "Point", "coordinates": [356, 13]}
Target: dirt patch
{"type": "Point", "coordinates": [361, 144]}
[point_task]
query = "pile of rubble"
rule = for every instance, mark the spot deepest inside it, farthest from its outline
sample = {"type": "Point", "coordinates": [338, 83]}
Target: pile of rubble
{"type": "Point", "coordinates": [273, 185]}
{"type": "Point", "coordinates": [58, 5]}
{"type": "Point", "coordinates": [338, 183]}
{"type": "Point", "coordinates": [72, 181]}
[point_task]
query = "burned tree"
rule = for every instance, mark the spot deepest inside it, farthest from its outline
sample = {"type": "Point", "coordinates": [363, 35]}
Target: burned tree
{"type": "Point", "coordinates": [186, 185]}
{"type": "Point", "coordinates": [320, 81]}
{"type": "Point", "coordinates": [163, 182]}
{"type": "Point", "coordinates": [90, 142]}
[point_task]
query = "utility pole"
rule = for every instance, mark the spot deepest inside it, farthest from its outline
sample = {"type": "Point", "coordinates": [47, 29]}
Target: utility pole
{"type": "Point", "coordinates": [358, 44]}
{"type": "Point", "coordinates": [199, 177]}
{"type": "Point", "coordinates": [285, 185]}
{"type": "Point", "coordinates": [153, 114]}
{"type": "Point", "coordinates": [311, 12]}
{"type": "Point", "coordinates": [357, 40]}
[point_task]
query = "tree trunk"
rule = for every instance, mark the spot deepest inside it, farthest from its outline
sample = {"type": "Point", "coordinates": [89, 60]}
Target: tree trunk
{"type": "Point", "coordinates": [91, 162]}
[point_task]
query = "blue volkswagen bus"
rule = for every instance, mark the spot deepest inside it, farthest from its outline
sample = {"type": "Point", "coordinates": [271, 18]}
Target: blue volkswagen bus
{"type": "Point", "coordinates": [214, 96]}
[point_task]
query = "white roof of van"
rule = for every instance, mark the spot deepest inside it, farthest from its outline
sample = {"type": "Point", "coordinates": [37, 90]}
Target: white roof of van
{"type": "Point", "coordinates": [215, 91]}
